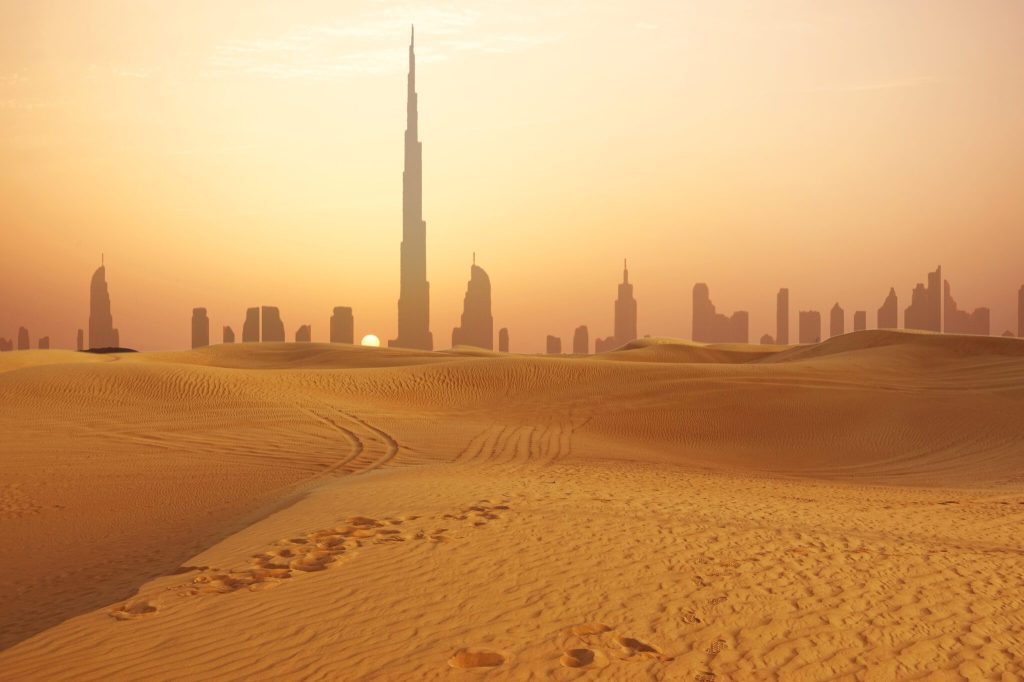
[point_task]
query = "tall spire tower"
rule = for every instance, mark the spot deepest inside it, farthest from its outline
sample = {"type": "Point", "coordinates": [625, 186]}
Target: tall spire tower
{"type": "Point", "coordinates": [414, 296]}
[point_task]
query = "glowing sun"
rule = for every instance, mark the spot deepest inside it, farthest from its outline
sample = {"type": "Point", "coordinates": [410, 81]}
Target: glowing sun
{"type": "Point", "coordinates": [370, 340]}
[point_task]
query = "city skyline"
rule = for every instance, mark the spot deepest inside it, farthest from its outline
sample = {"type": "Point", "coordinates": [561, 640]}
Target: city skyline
{"type": "Point", "coordinates": [484, 194]}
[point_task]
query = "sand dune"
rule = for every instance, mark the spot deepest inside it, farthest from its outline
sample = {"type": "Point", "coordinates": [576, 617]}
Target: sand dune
{"type": "Point", "coordinates": [666, 511]}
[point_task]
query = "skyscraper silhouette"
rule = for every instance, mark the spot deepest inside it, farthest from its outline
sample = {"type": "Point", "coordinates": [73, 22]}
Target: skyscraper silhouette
{"type": "Point", "coordinates": [251, 326]}
{"type": "Point", "coordinates": [810, 326]}
{"type": "Point", "coordinates": [581, 340]}
{"type": "Point", "coordinates": [925, 309]}
{"type": "Point", "coordinates": [625, 316]}
{"type": "Point", "coordinates": [23, 343]}
{"type": "Point", "coordinates": [101, 323]}
{"type": "Point", "coordinates": [272, 329]}
{"type": "Point", "coordinates": [304, 334]}
{"type": "Point", "coordinates": [44, 343]}
{"type": "Point", "coordinates": [200, 328]}
{"type": "Point", "coordinates": [860, 320]}
{"type": "Point", "coordinates": [80, 341]}
{"type": "Point", "coordinates": [503, 340]}
{"type": "Point", "coordinates": [227, 335]}
{"type": "Point", "coordinates": [888, 314]}
{"type": "Point", "coordinates": [6, 345]}
{"type": "Point", "coordinates": [477, 328]}
{"type": "Point", "coordinates": [956, 321]}
{"type": "Point", "coordinates": [1020, 312]}
{"type": "Point", "coordinates": [837, 321]}
{"type": "Point", "coordinates": [414, 295]}
{"type": "Point", "coordinates": [554, 345]}
{"type": "Point", "coordinates": [782, 317]}
{"type": "Point", "coordinates": [709, 326]}
{"type": "Point", "coordinates": [342, 326]}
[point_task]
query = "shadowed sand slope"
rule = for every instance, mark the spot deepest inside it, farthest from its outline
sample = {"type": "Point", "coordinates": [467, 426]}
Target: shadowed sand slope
{"type": "Point", "coordinates": [850, 508]}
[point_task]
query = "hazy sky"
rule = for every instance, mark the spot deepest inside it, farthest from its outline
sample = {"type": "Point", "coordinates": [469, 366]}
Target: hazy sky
{"type": "Point", "coordinates": [237, 153]}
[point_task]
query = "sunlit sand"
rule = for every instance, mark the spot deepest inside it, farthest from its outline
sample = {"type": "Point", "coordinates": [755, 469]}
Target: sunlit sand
{"type": "Point", "coordinates": [667, 511]}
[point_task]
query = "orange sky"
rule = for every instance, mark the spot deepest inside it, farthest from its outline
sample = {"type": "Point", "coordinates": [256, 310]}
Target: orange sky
{"type": "Point", "coordinates": [239, 153]}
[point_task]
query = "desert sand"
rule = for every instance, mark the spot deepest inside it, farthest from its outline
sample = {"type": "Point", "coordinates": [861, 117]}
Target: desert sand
{"type": "Point", "coordinates": [669, 511]}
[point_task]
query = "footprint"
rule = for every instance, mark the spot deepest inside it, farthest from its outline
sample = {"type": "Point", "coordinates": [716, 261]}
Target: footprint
{"type": "Point", "coordinates": [131, 610]}
{"type": "Point", "coordinates": [580, 658]}
{"type": "Point", "coordinates": [476, 658]}
{"type": "Point", "coordinates": [634, 647]}
{"type": "Point", "coordinates": [716, 647]}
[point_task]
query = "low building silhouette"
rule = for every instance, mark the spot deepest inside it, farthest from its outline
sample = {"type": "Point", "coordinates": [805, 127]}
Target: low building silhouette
{"type": "Point", "coordinates": [1008, 333]}
{"type": "Point", "coordinates": [342, 325]}
{"type": "Point", "coordinates": [477, 325]}
{"type": "Point", "coordinates": [767, 340]}
{"type": "Point", "coordinates": [23, 343]}
{"type": "Point", "coordinates": [810, 326]}
{"type": "Point", "coordinates": [837, 321]}
{"type": "Point", "coordinates": [80, 341]}
{"type": "Point", "coordinates": [958, 321]}
{"type": "Point", "coordinates": [44, 343]}
{"type": "Point", "coordinates": [200, 328]}
{"type": "Point", "coordinates": [227, 335]}
{"type": "Point", "coordinates": [304, 334]}
{"type": "Point", "coordinates": [6, 345]}
{"type": "Point", "coordinates": [581, 340]}
{"type": "Point", "coordinates": [554, 345]}
{"type": "Point", "coordinates": [860, 320]}
{"type": "Point", "coordinates": [710, 326]}
{"type": "Point", "coordinates": [503, 340]}
{"type": "Point", "coordinates": [782, 317]}
{"type": "Point", "coordinates": [888, 314]}
{"type": "Point", "coordinates": [272, 328]}
{"type": "Point", "coordinates": [925, 309]}
{"type": "Point", "coordinates": [251, 326]}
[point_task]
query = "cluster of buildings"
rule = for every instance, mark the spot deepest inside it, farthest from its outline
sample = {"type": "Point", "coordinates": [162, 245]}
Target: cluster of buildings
{"type": "Point", "coordinates": [932, 306]}
{"type": "Point", "coordinates": [264, 324]}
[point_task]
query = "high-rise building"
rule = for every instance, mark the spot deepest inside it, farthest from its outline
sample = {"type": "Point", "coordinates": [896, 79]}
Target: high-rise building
{"type": "Point", "coordinates": [837, 321]}
{"type": "Point", "coordinates": [710, 326]}
{"type": "Point", "coordinates": [102, 333]}
{"type": "Point", "coordinates": [860, 320]}
{"type": "Point", "coordinates": [1020, 312]}
{"type": "Point", "coordinates": [251, 326]}
{"type": "Point", "coordinates": [6, 345]}
{"type": "Point", "coordinates": [272, 328]}
{"type": "Point", "coordinates": [782, 317]}
{"type": "Point", "coordinates": [414, 295]}
{"type": "Point", "coordinates": [304, 334]}
{"type": "Point", "coordinates": [888, 314]}
{"type": "Point", "coordinates": [581, 340]}
{"type": "Point", "coordinates": [554, 345]}
{"type": "Point", "coordinates": [23, 342]}
{"type": "Point", "coordinates": [80, 341]}
{"type": "Point", "coordinates": [625, 317]}
{"type": "Point", "coordinates": [342, 326]}
{"type": "Point", "coordinates": [503, 340]}
{"type": "Point", "coordinates": [227, 335]}
{"type": "Point", "coordinates": [925, 309]}
{"type": "Point", "coordinates": [200, 328]}
{"type": "Point", "coordinates": [477, 327]}
{"type": "Point", "coordinates": [810, 326]}
{"type": "Point", "coordinates": [956, 321]}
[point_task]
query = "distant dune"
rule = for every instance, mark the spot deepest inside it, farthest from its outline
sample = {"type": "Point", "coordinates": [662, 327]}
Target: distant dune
{"type": "Point", "coordinates": [668, 510]}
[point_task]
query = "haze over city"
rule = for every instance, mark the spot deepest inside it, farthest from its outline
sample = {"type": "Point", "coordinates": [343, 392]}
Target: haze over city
{"type": "Point", "coordinates": [227, 159]}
